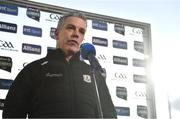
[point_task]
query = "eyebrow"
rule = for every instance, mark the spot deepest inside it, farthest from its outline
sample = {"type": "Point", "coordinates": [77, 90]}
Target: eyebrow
{"type": "Point", "coordinates": [80, 28]}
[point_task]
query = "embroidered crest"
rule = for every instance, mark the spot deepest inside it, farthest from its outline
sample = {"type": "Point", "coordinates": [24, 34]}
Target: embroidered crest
{"type": "Point", "coordinates": [87, 78]}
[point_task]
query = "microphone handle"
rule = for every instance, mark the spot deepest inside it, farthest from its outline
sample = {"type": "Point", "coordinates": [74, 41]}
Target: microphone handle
{"type": "Point", "coordinates": [94, 63]}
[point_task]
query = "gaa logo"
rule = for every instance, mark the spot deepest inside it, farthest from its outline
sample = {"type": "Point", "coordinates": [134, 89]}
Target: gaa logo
{"type": "Point", "coordinates": [54, 17]}
{"type": "Point", "coordinates": [140, 94]}
{"type": "Point", "coordinates": [120, 76]}
{"type": "Point", "coordinates": [6, 45]}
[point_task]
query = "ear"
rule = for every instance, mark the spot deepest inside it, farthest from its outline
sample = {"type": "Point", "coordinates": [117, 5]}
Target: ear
{"type": "Point", "coordinates": [56, 34]}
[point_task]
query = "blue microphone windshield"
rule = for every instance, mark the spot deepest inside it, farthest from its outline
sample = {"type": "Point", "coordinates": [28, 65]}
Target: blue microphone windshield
{"type": "Point", "coordinates": [87, 49]}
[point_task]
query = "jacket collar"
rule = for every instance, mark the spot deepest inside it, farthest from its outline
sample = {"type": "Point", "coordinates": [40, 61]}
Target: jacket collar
{"type": "Point", "coordinates": [59, 54]}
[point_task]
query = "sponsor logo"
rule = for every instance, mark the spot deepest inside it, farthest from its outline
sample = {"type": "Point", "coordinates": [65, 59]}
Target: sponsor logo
{"type": "Point", "coordinates": [54, 75]}
{"type": "Point", "coordinates": [140, 94]}
{"type": "Point", "coordinates": [99, 25]}
{"type": "Point", "coordinates": [5, 83]}
{"type": "Point", "coordinates": [119, 29]}
{"type": "Point", "coordinates": [9, 9]}
{"type": "Point", "coordinates": [32, 31]}
{"type": "Point", "coordinates": [142, 111]}
{"type": "Point", "coordinates": [102, 58]}
{"type": "Point", "coordinates": [33, 13]}
{"type": "Point", "coordinates": [2, 101]}
{"type": "Point", "coordinates": [24, 64]}
{"type": "Point", "coordinates": [52, 32]}
{"type": "Point", "coordinates": [138, 63]}
{"type": "Point", "coordinates": [123, 111]}
{"type": "Point", "coordinates": [8, 27]}
{"type": "Point", "coordinates": [6, 45]}
{"type": "Point", "coordinates": [120, 76]}
{"type": "Point", "coordinates": [120, 60]}
{"type": "Point", "coordinates": [119, 44]}
{"type": "Point", "coordinates": [87, 78]}
{"type": "Point", "coordinates": [134, 31]}
{"type": "Point", "coordinates": [30, 48]}
{"type": "Point", "coordinates": [139, 78]}
{"type": "Point", "coordinates": [5, 63]}
{"type": "Point", "coordinates": [53, 17]}
{"type": "Point", "coordinates": [138, 31]}
{"type": "Point", "coordinates": [100, 41]}
{"type": "Point", "coordinates": [121, 92]}
{"type": "Point", "coordinates": [139, 46]}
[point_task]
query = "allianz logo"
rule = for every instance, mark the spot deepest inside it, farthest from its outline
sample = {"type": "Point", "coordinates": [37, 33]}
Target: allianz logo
{"type": "Point", "coordinates": [100, 41]}
{"type": "Point", "coordinates": [8, 27]}
{"type": "Point", "coordinates": [31, 48]}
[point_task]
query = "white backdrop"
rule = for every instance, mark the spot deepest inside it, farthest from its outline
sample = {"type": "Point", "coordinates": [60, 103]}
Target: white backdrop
{"type": "Point", "coordinates": [127, 94]}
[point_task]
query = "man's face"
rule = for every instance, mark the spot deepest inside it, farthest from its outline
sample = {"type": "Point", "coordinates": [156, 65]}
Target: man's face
{"type": "Point", "coordinates": [70, 36]}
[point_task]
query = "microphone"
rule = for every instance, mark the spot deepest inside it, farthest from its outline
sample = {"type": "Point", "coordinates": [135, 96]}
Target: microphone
{"type": "Point", "coordinates": [88, 52]}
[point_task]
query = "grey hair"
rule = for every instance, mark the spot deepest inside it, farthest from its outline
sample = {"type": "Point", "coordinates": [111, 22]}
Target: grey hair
{"type": "Point", "coordinates": [71, 14]}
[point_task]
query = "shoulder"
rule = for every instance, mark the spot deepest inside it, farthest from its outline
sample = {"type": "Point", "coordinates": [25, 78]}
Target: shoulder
{"type": "Point", "coordinates": [35, 64]}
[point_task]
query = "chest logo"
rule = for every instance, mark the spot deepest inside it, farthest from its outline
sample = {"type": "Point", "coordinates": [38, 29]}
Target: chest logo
{"type": "Point", "coordinates": [87, 78]}
{"type": "Point", "coordinates": [54, 75]}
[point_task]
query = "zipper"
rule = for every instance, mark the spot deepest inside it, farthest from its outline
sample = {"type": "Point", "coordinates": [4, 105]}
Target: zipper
{"type": "Point", "coordinates": [71, 84]}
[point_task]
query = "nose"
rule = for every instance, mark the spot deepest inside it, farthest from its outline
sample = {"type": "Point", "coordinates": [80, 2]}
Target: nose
{"type": "Point", "coordinates": [75, 33]}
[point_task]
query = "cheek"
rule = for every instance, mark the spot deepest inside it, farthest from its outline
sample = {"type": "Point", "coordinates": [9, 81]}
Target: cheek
{"type": "Point", "coordinates": [81, 39]}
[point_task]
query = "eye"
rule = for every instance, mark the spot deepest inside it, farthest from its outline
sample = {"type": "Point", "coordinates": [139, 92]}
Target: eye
{"type": "Point", "coordinates": [70, 27]}
{"type": "Point", "coordinates": [82, 31]}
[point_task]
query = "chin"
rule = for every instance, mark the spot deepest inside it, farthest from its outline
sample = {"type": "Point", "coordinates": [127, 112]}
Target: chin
{"type": "Point", "coordinates": [73, 51]}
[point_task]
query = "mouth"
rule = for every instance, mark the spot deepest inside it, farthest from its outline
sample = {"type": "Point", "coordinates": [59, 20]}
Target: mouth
{"type": "Point", "coordinates": [73, 42]}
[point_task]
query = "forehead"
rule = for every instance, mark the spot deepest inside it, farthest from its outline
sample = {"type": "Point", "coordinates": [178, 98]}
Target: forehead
{"type": "Point", "coordinates": [75, 21]}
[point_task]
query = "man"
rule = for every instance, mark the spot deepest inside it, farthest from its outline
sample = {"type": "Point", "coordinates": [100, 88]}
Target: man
{"type": "Point", "coordinates": [59, 85]}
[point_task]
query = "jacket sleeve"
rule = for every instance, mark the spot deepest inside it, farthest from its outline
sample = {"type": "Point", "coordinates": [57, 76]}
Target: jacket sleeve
{"type": "Point", "coordinates": [17, 100]}
{"type": "Point", "coordinates": [107, 105]}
